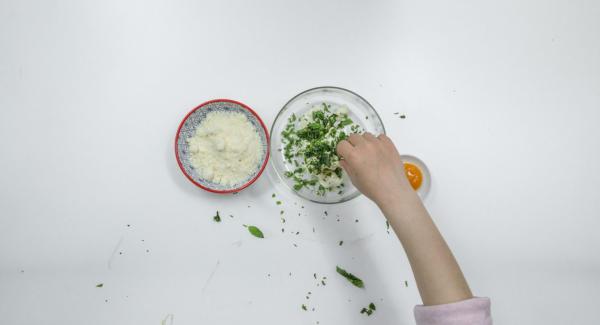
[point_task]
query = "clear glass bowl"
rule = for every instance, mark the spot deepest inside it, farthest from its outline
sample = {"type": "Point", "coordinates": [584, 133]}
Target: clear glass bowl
{"type": "Point", "coordinates": [360, 111]}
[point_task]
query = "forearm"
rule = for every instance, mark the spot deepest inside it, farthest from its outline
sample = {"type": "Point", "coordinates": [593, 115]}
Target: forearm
{"type": "Point", "coordinates": [436, 271]}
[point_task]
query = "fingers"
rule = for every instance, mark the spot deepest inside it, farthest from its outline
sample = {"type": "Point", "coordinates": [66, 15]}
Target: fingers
{"type": "Point", "coordinates": [344, 148]}
{"type": "Point", "coordinates": [356, 139]}
{"type": "Point", "coordinates": [389, 145]}
{"type": "Point", "coordinates": [345, 166]}
{"type": "Point", "coordinates": [386, 140]}
{"type": "Point", "coordinates": [369, 137]}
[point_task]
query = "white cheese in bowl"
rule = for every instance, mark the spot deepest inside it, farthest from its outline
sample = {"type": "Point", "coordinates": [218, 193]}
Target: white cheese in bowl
{"type": "Point", "coordinates": [225, 148]}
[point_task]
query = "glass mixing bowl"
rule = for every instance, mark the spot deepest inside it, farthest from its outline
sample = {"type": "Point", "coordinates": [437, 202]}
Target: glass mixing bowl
{"type": "Point", "coordinates": [360, 111]}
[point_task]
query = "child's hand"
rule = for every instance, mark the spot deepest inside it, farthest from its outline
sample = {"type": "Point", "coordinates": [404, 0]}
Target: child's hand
{"type": "Point", "coordinates": [374, 166]}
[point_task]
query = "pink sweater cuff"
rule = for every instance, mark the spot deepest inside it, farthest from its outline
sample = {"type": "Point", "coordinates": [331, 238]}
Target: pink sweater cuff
{"type": "Point", "coordinates": [474, 311]}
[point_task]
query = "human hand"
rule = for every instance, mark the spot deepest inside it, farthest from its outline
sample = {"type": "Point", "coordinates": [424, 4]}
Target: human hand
{"type": "Point", "coordinates": [374, 166]}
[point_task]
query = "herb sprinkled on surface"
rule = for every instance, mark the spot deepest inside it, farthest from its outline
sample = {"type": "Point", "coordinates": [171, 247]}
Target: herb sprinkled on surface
{"type": "Point", "coordinates": [255, 231]}
{"type": "Point", "coordinates": [368, 310]}
{"type": "Point", "coordinates": [217, 217]}
{"type": "Point", "coordinates": [350, 277]}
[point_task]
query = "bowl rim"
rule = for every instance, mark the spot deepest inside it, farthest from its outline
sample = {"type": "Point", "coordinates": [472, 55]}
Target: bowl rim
{"type": "Point", "coordinates": [263, 165]}
{"type": "Point", "coordinates": [307, 91]}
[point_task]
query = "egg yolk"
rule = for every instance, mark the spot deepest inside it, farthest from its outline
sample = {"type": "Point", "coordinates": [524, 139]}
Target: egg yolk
{"type": "Point", "coordinates": [414, 175]}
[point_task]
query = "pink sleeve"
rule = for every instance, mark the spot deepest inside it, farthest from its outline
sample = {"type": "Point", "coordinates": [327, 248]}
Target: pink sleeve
{"type": "Point", "coordinates": [474, 311]}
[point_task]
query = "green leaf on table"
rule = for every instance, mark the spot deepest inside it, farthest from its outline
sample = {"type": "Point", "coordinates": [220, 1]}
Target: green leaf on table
{"type": "Point", "coordinates": [255, 232]}
{"type": "Point", "coordinates": [350, 277]}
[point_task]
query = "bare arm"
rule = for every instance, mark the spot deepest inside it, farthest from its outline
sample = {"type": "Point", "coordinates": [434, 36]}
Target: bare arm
{"type": "Point", "coordinates": [375, 168]}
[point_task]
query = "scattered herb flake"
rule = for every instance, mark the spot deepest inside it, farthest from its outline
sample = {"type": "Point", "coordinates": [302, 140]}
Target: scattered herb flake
{"type": "Point", "coordinates": [273, 195]}
{"type": "Point", "coordinates": [402, 116]}
{"type": "Point", "coordinates": [368, 310]}
{"type": "Point", "coordinates": [350, 277]}
{"type": "Point", "coordinates": [217, 217]}
{"type": "Point", "coordinates": [406, 283]}
{"type": "Point", "coordinates": [255, 232]}
{"type": "Point", "coordinates": [341, 242]}
{"type": "Point", "coordinates": [304, 307]}
{"type": "Point", "coordinates": [278, 202]}
{"type": "Point", "coordinates": [99, 285]}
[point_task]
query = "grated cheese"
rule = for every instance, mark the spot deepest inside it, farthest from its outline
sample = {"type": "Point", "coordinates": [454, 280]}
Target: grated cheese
{"type": "Point", "coordinates": [225, 148]}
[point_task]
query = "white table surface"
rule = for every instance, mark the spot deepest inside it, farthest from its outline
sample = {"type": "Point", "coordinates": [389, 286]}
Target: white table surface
{"type": "Point", "coordinates": [502, 101]}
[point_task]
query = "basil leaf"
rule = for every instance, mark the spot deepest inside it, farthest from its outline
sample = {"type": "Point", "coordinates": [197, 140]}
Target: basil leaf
{"type": "Point", "coordinates": [255, 232]}
{"type": "Point", "coordinates": [350, 277]}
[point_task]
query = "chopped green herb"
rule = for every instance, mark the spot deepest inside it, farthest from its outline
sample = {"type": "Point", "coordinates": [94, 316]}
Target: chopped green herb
{"type": "Point", "coordinates": [281, 212]}
{"type": "Point", "coordinates": [350, 277]}
{"type": "Point", "coordinates": [304, 307]}
{"type": "Point", "coordinates": [368, 310]}
{"type": "Point", "coordinates": [278, 202]}
{"type": "Point", "coordinates": [402, 116]}
{"type": "Point", "coordinates": [406, 283]}
{"type": "Point", "coordinates": [309, 144]}
{"type": "Point", "coordinates": [387, 224]}
{"type": "Point", "coordinates": [341, 242]}
{"type": "Point", "coordinates": [273, 195]}
{"type": "Point", "coordinates": [99, 285]}
{"type": "Point", "coordinates": [217, 218]}
{"type": "Point", "coordinates": [255, 231]}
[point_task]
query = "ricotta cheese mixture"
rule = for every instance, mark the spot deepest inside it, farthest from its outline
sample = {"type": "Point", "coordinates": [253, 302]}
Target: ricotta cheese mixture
{"type": "Point", "coordinates": [225, 149]}
{"type": "Point", "coordinates": [310, 147]}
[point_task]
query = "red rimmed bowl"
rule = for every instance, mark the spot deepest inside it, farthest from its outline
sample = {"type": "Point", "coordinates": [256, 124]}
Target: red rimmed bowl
{"type": "Point", "coordinates": [187, 128]}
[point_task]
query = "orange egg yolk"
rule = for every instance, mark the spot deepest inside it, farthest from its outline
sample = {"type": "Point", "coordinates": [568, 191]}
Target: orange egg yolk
{"type": "Point", "coordinates": [414, 175]}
